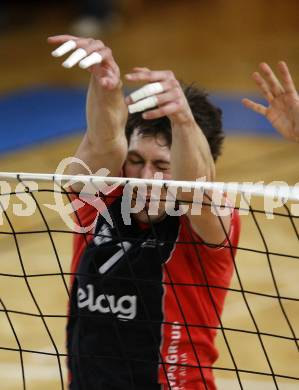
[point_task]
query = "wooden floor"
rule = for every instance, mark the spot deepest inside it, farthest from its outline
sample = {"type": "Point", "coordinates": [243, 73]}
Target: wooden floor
{"type": "Point", "coordinates": [219, 44]}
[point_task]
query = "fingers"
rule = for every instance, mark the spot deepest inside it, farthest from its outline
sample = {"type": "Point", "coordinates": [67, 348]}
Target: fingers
{"type": "Point", "coordinates": [286, 78]}
{"type": "Point", "coordinates": [74, 58]}
{"type": "Point", "coordinates": [143, 104]}
{"type": "Point", "coordinates": [153, 94]}
{"type": "Point", "coordinates": [265, 90]}
{"type": "Point", "coordinates": [150, 96]}
{"type": "Point", "coordinates": [160, 100]}
{"type": "Point", "coordinates": [56, 39]}
{"type": "Point", "coordinates": [64, 48]}
{"type": "Point", "coordinates": [150, 76]}
{"type": "Point", "coordinates": [141, 69]}
{"type": "Point", "coordinates": [92, 59]}
{"type": "Point", "coordinates": [168, 109]}
{"type": "Point", "coordinates": [85, 61]}
{"type": "Point", "coordinates": [269, 84]}
{"type": "Point", "coordinates": [156, 88]}
{"type": "Point", "coordinates": [88, 52]}
{"type": "Point", "coordinates": [147, 90]}
{"type": "Point", "coordinates": [259, 108]}
{"type": "Point", "coordinates": [271, 80]}
{"type": "Point", "coordinates": [161, 96]}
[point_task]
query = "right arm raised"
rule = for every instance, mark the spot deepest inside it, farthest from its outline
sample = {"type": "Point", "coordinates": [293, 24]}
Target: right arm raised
{"type": "Point", "coordinates": [104, 144]}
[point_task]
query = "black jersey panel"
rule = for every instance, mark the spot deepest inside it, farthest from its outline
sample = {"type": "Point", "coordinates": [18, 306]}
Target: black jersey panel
{"type": "Point", "coordinates": [116, 311]}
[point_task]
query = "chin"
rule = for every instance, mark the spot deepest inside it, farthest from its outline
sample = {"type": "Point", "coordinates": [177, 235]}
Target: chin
{"type": "Point", "coordinates": [144, 217]}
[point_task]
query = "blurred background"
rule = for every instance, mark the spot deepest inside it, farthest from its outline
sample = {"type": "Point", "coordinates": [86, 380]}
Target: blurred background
{"type": "Point", "coordinates": [216, 43]}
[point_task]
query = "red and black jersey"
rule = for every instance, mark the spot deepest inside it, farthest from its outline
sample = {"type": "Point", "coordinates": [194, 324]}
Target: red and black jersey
{"type": "Point", "coordinates": [145, 304]}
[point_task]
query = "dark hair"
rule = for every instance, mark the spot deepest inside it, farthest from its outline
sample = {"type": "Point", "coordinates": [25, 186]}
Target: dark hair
{"type": "Point", "coordinates": [206, 115]}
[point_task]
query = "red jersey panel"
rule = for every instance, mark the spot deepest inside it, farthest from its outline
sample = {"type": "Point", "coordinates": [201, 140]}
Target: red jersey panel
{"type": "Point", "coordinates": [195, 281]}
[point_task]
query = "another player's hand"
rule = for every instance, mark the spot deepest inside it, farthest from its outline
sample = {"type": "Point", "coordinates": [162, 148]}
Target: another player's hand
{"type": "Point", "coordinates": [89, 54]}
{"type": "Point", "coordinates": [282, 97]}
{"type": "Point", "coordinates": [161, 96]}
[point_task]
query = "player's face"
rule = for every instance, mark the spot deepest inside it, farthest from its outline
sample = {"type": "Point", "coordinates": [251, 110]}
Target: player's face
{"type": "Point", "coordinates": [147, 156]}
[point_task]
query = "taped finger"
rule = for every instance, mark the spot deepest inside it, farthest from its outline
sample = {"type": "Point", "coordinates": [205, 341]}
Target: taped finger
{"type": "Point", "coordinates": [74, 58]}
{"type": "Point", "coordinates": [64, 48]}
{"type": "Point", "coordinates": [147, 90]}
{"type": "Point", "coordinates": [92, 59]}
{"type": "Point", "coordinates": [143, 105]}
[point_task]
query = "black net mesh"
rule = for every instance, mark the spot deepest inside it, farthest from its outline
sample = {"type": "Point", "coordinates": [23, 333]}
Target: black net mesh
{"type": "Point", "coordinates": [125, 287]}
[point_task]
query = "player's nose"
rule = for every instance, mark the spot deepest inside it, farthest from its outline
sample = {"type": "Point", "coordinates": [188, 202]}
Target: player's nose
{"type": "Point", "coordinates": [147, 172]}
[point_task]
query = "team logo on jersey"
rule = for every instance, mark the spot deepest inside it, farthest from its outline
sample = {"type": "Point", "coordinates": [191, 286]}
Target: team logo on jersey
{"type": "Point", "coordinates": [104, 236]}
{"type": "Point", "coordinates": [124, 307]}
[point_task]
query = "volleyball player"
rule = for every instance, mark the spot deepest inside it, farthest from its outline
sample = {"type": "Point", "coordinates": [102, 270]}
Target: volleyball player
{"type": "Point", "coordinates": [147, 297]}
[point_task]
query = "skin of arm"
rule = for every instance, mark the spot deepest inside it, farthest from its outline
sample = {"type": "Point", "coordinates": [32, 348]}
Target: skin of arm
{"type": "Point", "coordinates": [104, 144]}
{"type": "Point", "coordinates": [190, 152]}
{"type": "Point", "coordinates": [191, 159]}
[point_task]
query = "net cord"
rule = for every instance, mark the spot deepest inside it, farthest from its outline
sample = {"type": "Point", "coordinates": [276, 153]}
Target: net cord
{"type": "Point", "coordinates": [256, 189]}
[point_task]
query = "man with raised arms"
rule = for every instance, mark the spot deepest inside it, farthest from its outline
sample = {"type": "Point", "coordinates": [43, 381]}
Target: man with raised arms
{"type": "Point", "coordinates": [147, 297]}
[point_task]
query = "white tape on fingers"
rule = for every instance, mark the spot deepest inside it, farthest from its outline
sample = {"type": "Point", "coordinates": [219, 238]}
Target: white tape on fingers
{"type": "Point", "coordinates": [92, 59]}
{"type": "Point", "coordinates": [64, 48]}
{"type": "Point", "coordinates": [74, 58]}
{"type": "Point", "coordinates": [147, 90]}
{"type": "Point", "coordinates": [143, 105]}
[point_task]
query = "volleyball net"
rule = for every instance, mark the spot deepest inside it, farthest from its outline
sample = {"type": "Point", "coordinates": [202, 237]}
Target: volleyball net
{"type": "Point", "coordinates": [257, 333]}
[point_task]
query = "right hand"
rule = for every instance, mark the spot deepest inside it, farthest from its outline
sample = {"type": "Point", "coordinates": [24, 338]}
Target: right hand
{"type": "Point", "coordinates": [282, 110]}
{"type": "Point", "coordinates": [106, 72]}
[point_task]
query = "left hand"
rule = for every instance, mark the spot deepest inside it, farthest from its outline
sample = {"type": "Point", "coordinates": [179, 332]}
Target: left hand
{"type": "Point", "coordinates": [166, 99]}
{"type": "Point", "coordinates": [102, 65]}
{"type": "Point", "coordinates": [282, 97]}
